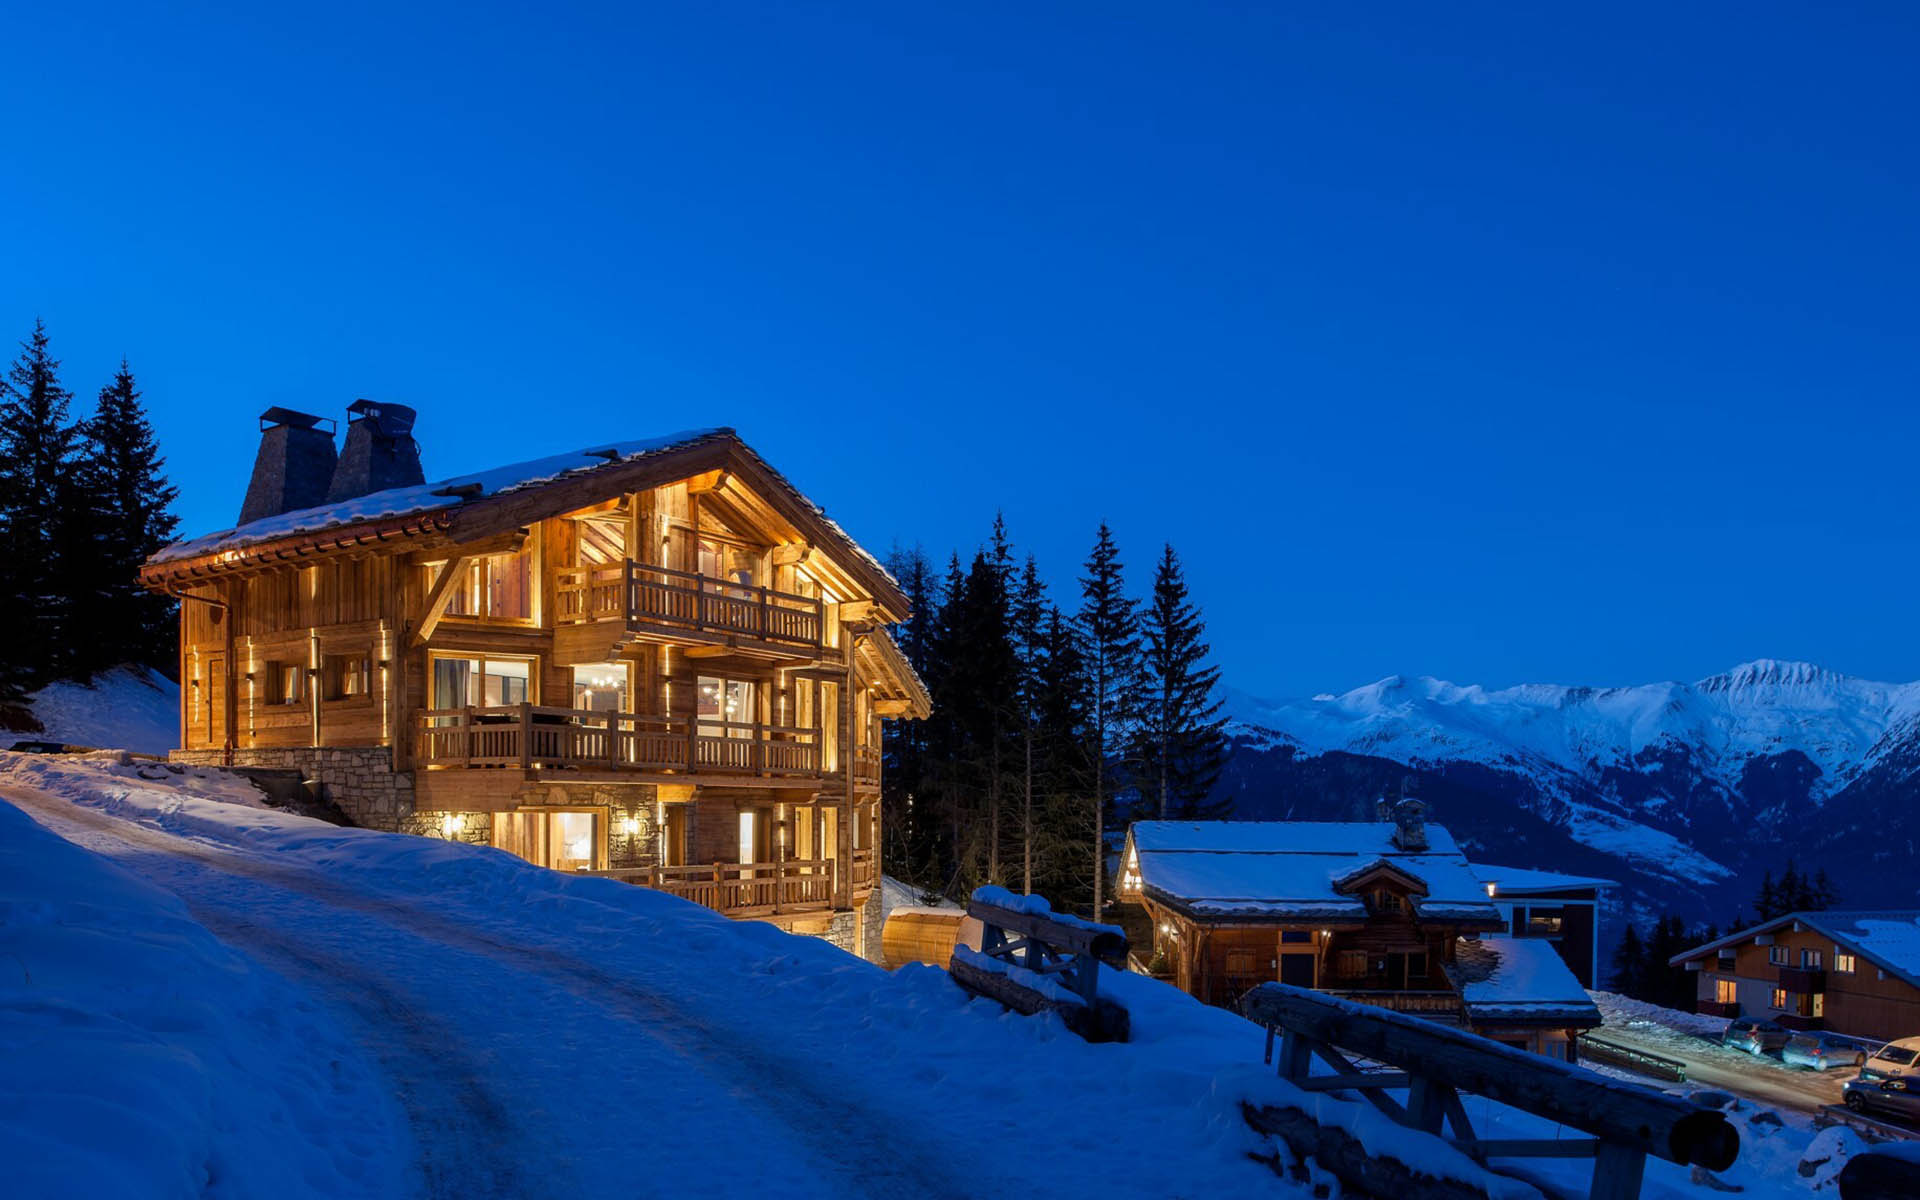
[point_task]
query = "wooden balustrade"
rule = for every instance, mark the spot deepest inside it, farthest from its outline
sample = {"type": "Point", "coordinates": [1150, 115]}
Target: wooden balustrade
{"type": "Point", "coordinates": [796, 885]}
{"type": "Point", "coordinates": [531, 735]}
{"type": "Point", "coordinates": [862, 869]}
{"type": "Point", "coordinates": [663, 598]}
{"type": "Point", "coordinates": [866, 764]}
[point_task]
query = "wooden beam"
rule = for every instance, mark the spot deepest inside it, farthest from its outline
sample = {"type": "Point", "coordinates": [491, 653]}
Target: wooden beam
{"type": "Point", "coordinates": [710, 481]}
{"type": "Point", "coordinates": [499, 543]}
{"type": "Point", "coordinates": [438, 596]}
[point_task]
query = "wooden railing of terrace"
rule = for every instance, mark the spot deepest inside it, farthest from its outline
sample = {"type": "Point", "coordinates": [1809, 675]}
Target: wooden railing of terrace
{"type": "Point", "coordinates": [741, 889]}
{"type": "Point", "coordinates": [531, 735]}
{"type": "Point", "coordinates": [690, 604]}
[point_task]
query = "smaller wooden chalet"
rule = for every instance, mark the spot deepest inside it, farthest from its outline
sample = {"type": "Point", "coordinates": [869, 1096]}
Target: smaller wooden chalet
{"type": "Point", "coordinates": [1852, 972]}
{"type": "Point", "coordinates": [1563, 910]}
{"type": "Point", "coordinates": [1383, 912]}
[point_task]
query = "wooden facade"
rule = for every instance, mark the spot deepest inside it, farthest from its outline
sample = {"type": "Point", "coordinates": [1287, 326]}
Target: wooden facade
{"type": "Point", "coordinates": [1816, 971]}
{"type": "Point", "coordinates": [667, 667]}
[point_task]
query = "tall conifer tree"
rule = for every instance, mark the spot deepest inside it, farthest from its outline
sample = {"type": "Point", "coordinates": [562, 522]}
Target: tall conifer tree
{"type": "Point", "coordinates": [1109, 632]}
{"type": "Point", "coordinates": [1180, 740]}
{"type": "Point", "coordinates": [36, 444]}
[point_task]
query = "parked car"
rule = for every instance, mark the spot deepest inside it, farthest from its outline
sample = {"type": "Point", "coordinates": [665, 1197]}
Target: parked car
{"type": "Point", "coordinates": [1821, 1051]}
{"type": "Point", "coordinates": [1754, 1035]}
{"type": "Point", "coordinates": [1894, 1058]}
{"type": "Point", "coordinates": [1896, 1097]}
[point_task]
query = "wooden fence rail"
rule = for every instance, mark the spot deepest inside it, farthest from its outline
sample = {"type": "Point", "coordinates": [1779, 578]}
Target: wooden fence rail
{"type": "Point", "coordinates": [1434, 1063]}
{"type": "Point", "coordinates": [1034, 960]}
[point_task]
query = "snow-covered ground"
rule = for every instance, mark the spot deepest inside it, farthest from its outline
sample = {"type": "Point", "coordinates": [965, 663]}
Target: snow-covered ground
{"type": "Point", "coordinates": [348, 1013]}
{"type": "Point", "coordinates": [127, 708]}
{"type": "Point", "coordinates": [1694, 1040]}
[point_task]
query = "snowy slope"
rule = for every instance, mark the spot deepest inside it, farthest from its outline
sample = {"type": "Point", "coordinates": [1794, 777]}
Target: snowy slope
{"type": "Point", "coordinates": [127, 708]}
{"type": "Point", "coordinates": [550, 1034]}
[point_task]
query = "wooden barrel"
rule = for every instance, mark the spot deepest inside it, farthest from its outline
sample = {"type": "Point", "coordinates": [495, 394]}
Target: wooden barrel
{"type": "Point", "coordinates": [925, 935]}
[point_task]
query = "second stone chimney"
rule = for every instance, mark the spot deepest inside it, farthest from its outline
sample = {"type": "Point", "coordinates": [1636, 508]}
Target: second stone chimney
{"type": "Point", "coordinates": [1410, 819]}
{"type": "Point", "coordinates": [380, 452]}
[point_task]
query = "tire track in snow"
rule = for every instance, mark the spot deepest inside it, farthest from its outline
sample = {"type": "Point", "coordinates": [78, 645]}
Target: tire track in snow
{"type": "Point", "coordinates": [866, 1149]}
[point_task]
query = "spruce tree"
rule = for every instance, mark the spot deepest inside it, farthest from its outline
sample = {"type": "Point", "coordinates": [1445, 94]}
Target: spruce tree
{"type": "Point", "coordinates": [1766, 902]}
{"type": "Point", "coordinates": [1029, 612]}
{"type": "Point", "coordinates": [1109, 634]}
{"type": "Point", "coordinates": [1063, 823]}
{"type": "Point", "coordinates": [1630, 964]}
{"type": "Point", "coordinates": [1180, 740]}
{"type": "Point", "coordinates": [36, 443]}
{"type": "Point", "coordinates": [122, 502]}
{"type": "Point", "coordinates": [909, 828]}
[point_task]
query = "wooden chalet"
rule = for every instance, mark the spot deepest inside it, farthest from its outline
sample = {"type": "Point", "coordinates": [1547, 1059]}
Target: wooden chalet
{"type": "Point", "coordinates": [1388, 913]}
{"type": "Point", "coordinates": [1855, 972]}
{"type": "Point", "coordinates": [653, 660]}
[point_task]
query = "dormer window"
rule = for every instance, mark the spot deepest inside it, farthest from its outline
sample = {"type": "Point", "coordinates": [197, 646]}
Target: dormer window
{"type": "Point", "coordinates": [1388, 902]}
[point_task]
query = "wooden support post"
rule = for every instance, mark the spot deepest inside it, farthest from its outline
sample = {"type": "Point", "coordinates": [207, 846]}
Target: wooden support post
{"type": "Point", "coordinates": [438, 597]}
{"type": "Point", "coordinates": [1426, 1103]}
{"type": "Point", "coordinates": [1295, 1056]}
{"type": "Point", "coordinates": [1617, 1171]}
{"type": "Point", "coordinates": [526, 736]}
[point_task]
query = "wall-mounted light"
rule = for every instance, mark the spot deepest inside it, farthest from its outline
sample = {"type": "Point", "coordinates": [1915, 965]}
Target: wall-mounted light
{"type": "Point", "coordinates": [451, 824]}
{"type": "Point", "coordinates": [630, 824]}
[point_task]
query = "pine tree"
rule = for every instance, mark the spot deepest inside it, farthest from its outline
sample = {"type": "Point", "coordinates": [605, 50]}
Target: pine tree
{"type": "Point", "coordinates": [121, 508]}
{"type": "Point", "coordinates": [1029, 612]}
{"type": "Point", "coordinates": [909, 828]}
{"type": "Point", "coordinates": [1064, 822]}
{"type": "Point", "coordinates": [1181, 740]}
{"type": "Point", "coordinates": [1630, 964]}
{"type": "Point", "coordinates": [1823, 894]}
{"type": "Point", "coordinates": [1109, 633]}
{"type": "Point", "coordinates": [36, 444]}
{"type": "Point", "coordinates": [1766, 902]}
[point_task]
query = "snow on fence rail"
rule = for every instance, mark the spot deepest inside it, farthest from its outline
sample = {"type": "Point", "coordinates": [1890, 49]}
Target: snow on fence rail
{"type": "Point", "coordinates": [1434, 1063]}
{"type": "Point", "coordinates": [1032, 960]}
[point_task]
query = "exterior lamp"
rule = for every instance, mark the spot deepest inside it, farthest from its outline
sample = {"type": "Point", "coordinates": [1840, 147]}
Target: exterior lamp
{"type": "Point", "coordinates": [630, 824]}
{"type": "Point", "coordinates": [450, 824]}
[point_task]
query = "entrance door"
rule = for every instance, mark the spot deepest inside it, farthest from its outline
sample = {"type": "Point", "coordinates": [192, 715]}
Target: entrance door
{"type": "Point", "coordinates": [216, 692]}
{"type": "Point", "coordinates": [1297, 969]}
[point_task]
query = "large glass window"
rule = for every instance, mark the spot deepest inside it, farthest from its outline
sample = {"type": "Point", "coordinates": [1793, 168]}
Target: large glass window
{"type": "Point", "coordinates": [481, 682]}
{"type": "Point", "coordinates": [601, 687]}
{"type": "Point", "coordinates": [721, 560]}
{"type": "Point", "coordinates": [1726, 991]}
{"type": "Point", "coordinates": [565, 841]}
{"type": "Point", "coordinates": [726, 707]}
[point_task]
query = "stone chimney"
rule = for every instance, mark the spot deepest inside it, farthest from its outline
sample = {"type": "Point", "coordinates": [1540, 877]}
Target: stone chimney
{"type": "Point", "coordinates": [1411, 818]}
{"type": "Point", "coordinates": [293, 467]}
{"type": "Point", "coordinates": [380, 452]}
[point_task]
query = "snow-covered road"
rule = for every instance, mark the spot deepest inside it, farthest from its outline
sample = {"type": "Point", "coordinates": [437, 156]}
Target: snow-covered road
{"type": "Point", "coordinates": [504, 1052]}
{"type": "Point", "coordinates": [1763, 1079]}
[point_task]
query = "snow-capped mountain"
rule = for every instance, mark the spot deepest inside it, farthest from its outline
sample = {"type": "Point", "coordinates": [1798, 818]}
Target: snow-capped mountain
{"type": "Point", "coordinates": [1686, 792]}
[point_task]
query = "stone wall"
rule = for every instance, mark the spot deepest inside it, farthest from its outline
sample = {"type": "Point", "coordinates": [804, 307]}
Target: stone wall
{"type": "Point", "coordinates": [358, 780]}
{"type": "Point", "coordinates": [872, 917]}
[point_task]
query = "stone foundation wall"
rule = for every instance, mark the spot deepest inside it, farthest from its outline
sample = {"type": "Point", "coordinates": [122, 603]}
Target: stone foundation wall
{"type": "Point", "coordinates": [843, 932]}
{"type": "Point", "coordinates": [358, 780]}
{"type": "Point", "coordinates": [871, 919]}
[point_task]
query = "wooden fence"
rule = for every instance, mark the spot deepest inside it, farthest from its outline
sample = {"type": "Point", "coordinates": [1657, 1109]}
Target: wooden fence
{"type": "Point", "coordinates": [1435, 1063]}
{"type": "Point", "coordinates": [1039, 961]}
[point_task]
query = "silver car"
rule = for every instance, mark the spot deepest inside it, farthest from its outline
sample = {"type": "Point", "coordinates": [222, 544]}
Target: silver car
{"type": "Point", "coordinates": [1821, 1051]}
{"type": "Point", "coordinates": [1896, 1097]}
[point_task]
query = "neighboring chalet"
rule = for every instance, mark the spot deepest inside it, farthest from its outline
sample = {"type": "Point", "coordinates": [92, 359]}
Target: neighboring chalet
{"type": "Point", "coordinates": [1851, 972]}
{"type": "Point", "coordinates": [1387, 912]}
{"type": "Point", "coordinates": [1562, 909]}
{"type": "Point", "coordinates": [654, 660]}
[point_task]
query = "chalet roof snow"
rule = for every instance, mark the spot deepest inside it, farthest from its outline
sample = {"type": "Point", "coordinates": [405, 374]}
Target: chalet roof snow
{"type": "Point", "coordinates": [1887, 938]}
{"type": "Point", "coordinates": [1520, 881]}
{"type": "Point", "coordinates": [426, 497]}
{"type": "Point", "coordinates": [1518, 979]}
{"type": "Point", "coordinates": [1297, 869]}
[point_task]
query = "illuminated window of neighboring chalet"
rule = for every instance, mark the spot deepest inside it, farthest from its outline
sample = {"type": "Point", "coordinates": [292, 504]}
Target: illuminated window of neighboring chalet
{"type": "Point", "coordinates": [1779, 999]}
{"type": "Point", "coordinates": [1726, 991]}
{"type": "Point", "coordinates": [1543, 922]}
{"type": "Point", "coordinates": [1843, 963]}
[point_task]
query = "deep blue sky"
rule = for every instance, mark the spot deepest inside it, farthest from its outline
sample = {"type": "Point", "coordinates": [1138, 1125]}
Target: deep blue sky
{"type": "Point", "coordinates": [1486, 342]}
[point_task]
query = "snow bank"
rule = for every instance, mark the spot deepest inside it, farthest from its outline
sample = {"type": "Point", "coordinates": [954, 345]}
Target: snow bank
{"type": "Point", "coordinates": [127, 708]}
{"type": "Point", "coordinates": [139, 1057]}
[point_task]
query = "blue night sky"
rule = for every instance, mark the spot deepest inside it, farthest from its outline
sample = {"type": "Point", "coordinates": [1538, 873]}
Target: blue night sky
{"type": "Point", "coordinates": [1480, 341]}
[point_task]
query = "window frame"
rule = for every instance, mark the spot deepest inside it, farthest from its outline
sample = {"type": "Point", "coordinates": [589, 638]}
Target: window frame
{"type": "Point", "coordinates": [1845, 962]}
{"type": "Point", "coordinates": [483, 658]}
{"type": "Point", "coordinates": [1779, 955]}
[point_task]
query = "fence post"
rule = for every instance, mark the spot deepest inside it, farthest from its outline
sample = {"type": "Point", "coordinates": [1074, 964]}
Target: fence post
{"type": "Point", "coordinates": [526, 735]}
{"type": "Point", "coordinates": [1617, 1171]}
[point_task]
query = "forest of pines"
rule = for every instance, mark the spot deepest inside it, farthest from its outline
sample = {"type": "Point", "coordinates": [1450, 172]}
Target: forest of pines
{"type": "Point", "coordinates": [1055, 722]}
{"type": "Point", "coordinates": [82, 504]}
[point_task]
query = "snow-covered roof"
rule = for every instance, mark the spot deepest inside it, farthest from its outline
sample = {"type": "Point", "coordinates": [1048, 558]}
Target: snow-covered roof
{"type": "Point", "coordinates": [1518, 979]}
{"type": "Point", "coordinates": [1887, 938]}
{"type": "Point", "coordinates": [1297, 869]}
{"type": "Point", "coordinates": [423, 498]}
{"type": "Point", "coordinates": [1520, 881]}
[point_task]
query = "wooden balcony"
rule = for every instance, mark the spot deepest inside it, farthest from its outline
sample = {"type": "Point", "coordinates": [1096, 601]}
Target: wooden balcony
{"type": "Point", "coordinates": [664, 604]}
{"type": "Point", "coordinates": [866, 766]}
{"type": "Point", "coordinates": [1803, 980]}
{"type": "Point", "coordinates": [741, 889]}
{"type": "Point", "coordinates": [530, 736]}
{"type": "Point", "coordinates": [862, 870]}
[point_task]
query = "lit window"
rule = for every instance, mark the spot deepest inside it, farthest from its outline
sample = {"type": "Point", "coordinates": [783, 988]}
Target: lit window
{"type": "Point", "coordinates": [1819, 1004]}
{"type": "Point", "coordinates": [347, 675]}
{"type": "Point", "coordinates": [1726, 991]}
{"type": "Point", "coordinates": [1543, 922]}
{"type": "Point", "coordinates": [286, 683]}
{"type": "Point", "coordinates": [495, 586]}
{"type": "Point", "coordinates": [481, 682]}
{"type": "Point", "coordinates": [1843, 962]}
{"type": "Point", "coordinates": [1778, 1000]}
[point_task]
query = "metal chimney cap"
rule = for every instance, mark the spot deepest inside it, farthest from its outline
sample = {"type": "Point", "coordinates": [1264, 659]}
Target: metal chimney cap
{"type": "Point", "coordinates": [392, 420]}
{"type": "Point", "coordinates": [298, 420]}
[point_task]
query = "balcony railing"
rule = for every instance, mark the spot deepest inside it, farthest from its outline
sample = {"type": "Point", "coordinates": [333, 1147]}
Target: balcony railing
{"type": "Point", "coordinates": [695, 605]}
{"type": "Point", "coordinates": [530, 735]}
{"type": "Point", "coordinates": [1804, 980]}
{"type": "Point", "coordinates": [866, 765]}
{"type": "Point", "coordinates": [862, 870]}
{"type": "Point", "coordinates": [798, 885]}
